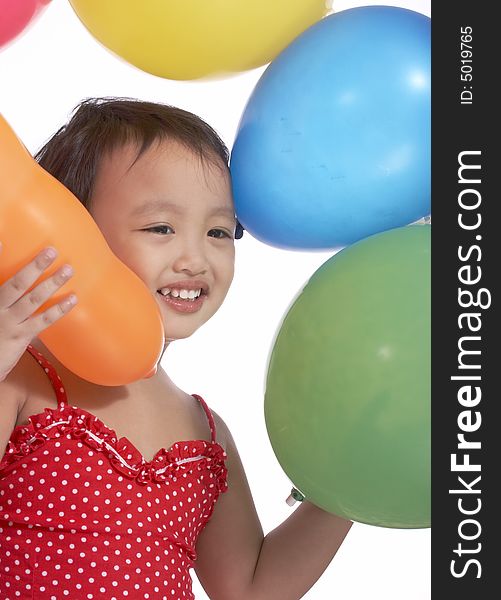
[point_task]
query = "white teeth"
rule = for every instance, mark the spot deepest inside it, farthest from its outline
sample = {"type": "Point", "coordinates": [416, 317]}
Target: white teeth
{"type": "Point", "coordinates": [184, 294]}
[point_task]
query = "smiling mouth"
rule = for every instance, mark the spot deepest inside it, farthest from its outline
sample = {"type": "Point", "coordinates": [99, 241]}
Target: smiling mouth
{"type": "Point", "coordinates": [188, 304]}
{"type": "Point", "coordinates": [182, 294]}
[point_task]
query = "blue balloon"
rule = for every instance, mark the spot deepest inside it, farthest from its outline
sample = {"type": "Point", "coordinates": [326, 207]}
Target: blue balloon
{"type": "Point", "coordinates": [334, 143]}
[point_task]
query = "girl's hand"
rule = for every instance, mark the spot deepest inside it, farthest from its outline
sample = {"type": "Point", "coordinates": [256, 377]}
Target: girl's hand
{"type": "Point", "coordinates": [18, 325]}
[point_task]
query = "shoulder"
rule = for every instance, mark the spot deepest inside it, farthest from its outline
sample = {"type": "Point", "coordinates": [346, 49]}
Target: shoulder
{"type": "Point", "coordinates": [17, 382]}
{"type": "Point", "coordinates": [224, 436]}
{"type": "Point", "coordinates": [14, 392]}
{"type": "Point", "coordinates": [25, 380]}
{"type": "Point", "coordinates": [222, 430]}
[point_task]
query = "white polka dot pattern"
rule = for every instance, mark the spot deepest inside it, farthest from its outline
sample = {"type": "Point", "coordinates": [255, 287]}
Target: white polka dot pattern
{"type": "Point", "coordinates": [83, 515]}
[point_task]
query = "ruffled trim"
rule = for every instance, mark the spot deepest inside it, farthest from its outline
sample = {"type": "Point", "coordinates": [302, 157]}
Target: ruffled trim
{"type": "Point", "coordinates": [125, 458]}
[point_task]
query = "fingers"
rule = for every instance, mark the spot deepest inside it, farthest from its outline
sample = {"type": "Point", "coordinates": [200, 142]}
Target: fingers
{"type": "Point", "coordinates": [51, 315]}
{"type": "Point", "coordinates": [15, 287]}
{"type": "Point", "coordinates": [19, 306]}
{"type": "Point", "coordinates": [18, 322]}
{"type": "Point", "coordinates": [24, 308]}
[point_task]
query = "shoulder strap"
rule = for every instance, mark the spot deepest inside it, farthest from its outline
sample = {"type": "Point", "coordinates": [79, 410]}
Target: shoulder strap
{"type": "Point", "coordinates": [54, 378]}
{"type": "Point", "coordinates": [210, 418]}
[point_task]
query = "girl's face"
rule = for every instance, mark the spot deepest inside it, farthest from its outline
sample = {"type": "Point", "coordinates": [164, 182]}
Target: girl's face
{"type": "Point", "coordinates": [170, 218]}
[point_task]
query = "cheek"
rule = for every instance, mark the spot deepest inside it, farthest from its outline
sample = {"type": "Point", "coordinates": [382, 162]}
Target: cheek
{"type": "Point", "coordinates": [115, 238]}
{"type": "Point", "coordinates": [134, 257]}
{"type": "Point", "coordinates": [231, 274]}
{"type": "Point", "coordinates": [223, 267]}
{"type": "Point", "coordinates": [228, 278]}
{"type": "Point", "coordinates": [229, 269]}
{"type": "Point", "coordinates": [124, 253]}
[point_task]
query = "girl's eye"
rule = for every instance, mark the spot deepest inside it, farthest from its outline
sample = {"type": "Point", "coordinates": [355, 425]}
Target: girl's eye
{"type": "Point", "coordinates": [219, 234]}
{"type": "Point", "coordinates": [161, 229]}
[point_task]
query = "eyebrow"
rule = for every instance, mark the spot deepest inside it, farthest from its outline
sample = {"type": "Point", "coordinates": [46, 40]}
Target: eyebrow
{"type": "Point", "coordinates": [155, 206]}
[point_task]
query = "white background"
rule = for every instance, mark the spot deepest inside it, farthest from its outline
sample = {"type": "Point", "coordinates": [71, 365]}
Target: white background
{"type": "Point", "coordinates": [43, 75]}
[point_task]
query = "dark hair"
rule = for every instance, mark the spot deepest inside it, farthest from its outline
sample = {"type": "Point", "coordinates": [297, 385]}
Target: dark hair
{"type": "Point", "coordinates": [100, 125]}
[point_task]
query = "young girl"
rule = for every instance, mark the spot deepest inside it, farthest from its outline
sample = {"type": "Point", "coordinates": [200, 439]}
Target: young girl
{"type": "Point", "coordinates": [115, 492]}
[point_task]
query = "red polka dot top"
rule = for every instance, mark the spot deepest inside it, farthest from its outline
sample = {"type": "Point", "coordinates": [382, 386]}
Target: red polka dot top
{"type": "Point", "coordinates": [83, 515]}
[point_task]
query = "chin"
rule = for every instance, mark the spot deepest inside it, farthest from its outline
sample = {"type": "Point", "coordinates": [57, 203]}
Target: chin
{"type": "Point", "coordinates": [173, 334]}
{"type": "Point", "coordinates": [181, 327]}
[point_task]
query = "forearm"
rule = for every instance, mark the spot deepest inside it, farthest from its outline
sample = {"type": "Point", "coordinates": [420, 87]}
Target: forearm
{"type": "Point", "coordinates": [296, 553]}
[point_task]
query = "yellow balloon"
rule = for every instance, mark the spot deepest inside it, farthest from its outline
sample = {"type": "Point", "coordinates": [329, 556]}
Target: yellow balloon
{"type": "Point", "coordinates": [190, 39]}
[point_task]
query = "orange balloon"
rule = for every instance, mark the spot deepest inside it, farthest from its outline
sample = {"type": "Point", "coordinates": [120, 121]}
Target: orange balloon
{"type": "Point", "coordinates": [114, 335]}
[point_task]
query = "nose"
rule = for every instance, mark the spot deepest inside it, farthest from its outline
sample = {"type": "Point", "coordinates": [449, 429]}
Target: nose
{"type": "Point", "coordinates": [190, 258]}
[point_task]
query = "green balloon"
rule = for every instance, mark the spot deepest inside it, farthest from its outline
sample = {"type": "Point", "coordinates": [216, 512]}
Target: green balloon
{"type": "Point", "coordinates": [347, 401]}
